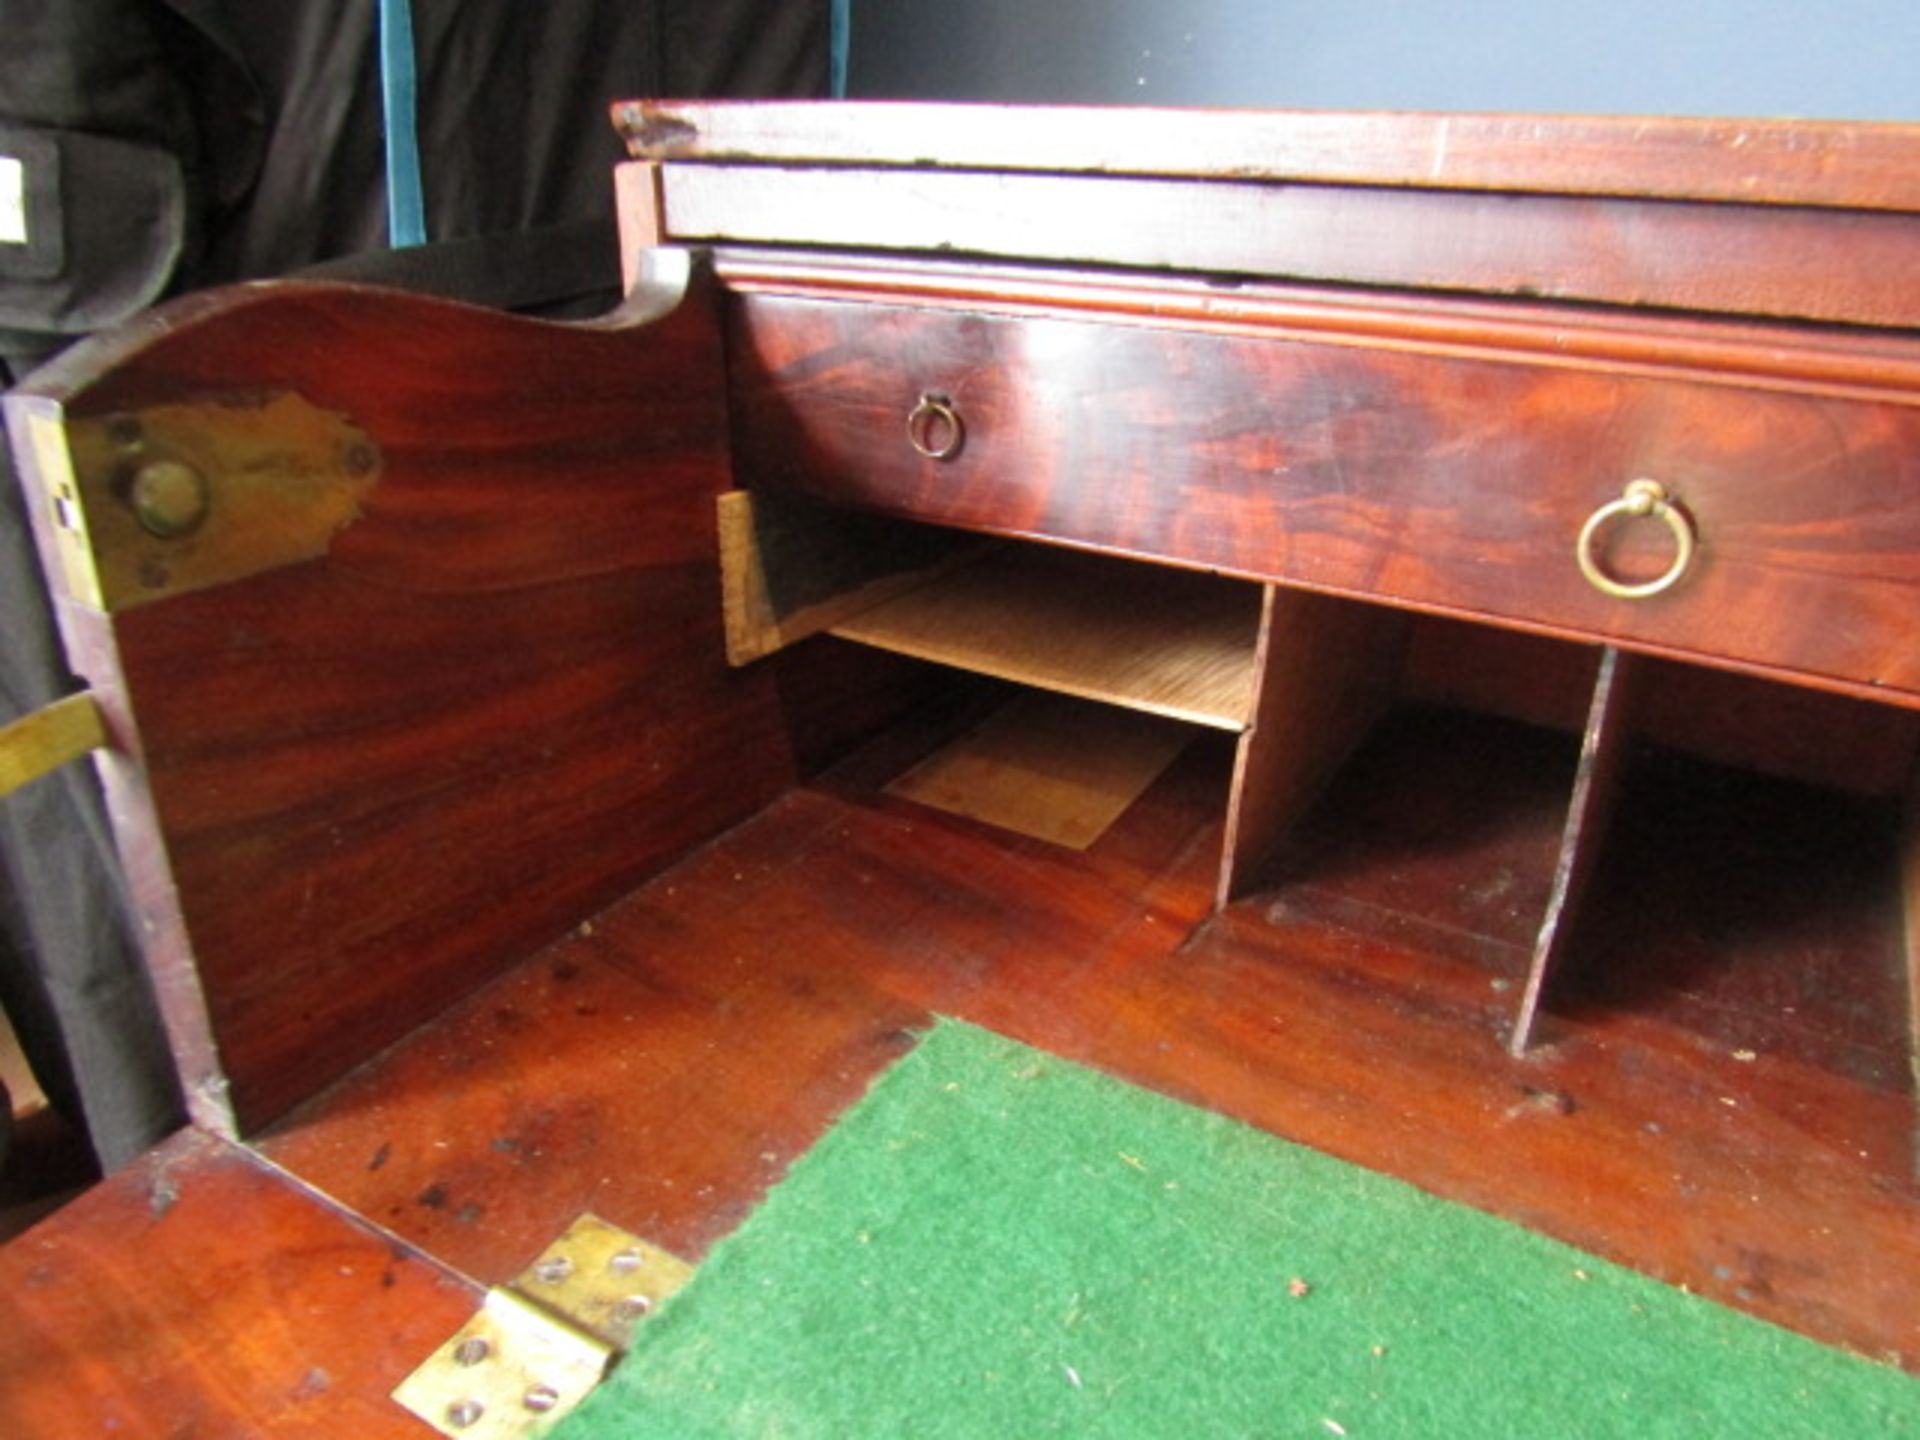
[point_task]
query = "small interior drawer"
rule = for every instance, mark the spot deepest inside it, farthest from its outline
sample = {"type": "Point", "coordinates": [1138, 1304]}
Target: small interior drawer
{"type": "Point", "coordinates": [1443, 481]}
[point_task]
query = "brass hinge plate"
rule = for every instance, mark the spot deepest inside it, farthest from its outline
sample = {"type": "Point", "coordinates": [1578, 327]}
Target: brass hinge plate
{"type": "Point", "coordinates": [603, 1279]}
{"type": "Point", "coordinates": [48, 738]}
{"type": "Point", "coordinates": [541, 1343]}
{"type": "Point", "coordinates": [144, 504]}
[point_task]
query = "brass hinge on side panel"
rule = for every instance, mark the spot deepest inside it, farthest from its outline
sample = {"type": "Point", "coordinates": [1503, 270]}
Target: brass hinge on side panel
{"type": "Point", "coordinates": [149, 503]}
{"type": "Point", "coordinates": [542, 1341]}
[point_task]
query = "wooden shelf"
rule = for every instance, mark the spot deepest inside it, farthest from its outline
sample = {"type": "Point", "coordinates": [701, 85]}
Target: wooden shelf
{"type": "Point", "coordinates": [1168, 642]}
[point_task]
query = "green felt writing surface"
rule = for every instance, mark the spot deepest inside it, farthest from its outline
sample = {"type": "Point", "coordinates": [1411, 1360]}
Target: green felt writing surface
{"type": "Point", "coordinates": [996, 1242]}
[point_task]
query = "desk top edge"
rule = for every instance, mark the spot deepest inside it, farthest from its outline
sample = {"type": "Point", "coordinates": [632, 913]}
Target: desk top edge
{"type": "Point", "coordinates": [1828, 163]}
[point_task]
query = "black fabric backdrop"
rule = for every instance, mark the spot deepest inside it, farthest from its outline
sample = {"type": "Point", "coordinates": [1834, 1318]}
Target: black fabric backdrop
{"type": "Point", "coordinates": [201, 141]}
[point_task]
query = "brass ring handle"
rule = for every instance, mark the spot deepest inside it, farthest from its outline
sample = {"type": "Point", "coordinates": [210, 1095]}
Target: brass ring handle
{"type": "Point", "coordinates": [1641, 498]}
{"type": "Point", "coordinates": [929, 420]}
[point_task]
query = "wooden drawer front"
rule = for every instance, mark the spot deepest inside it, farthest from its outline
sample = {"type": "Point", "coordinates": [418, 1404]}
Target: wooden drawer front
{"type": "Point", "coordinates": [1429, 479]}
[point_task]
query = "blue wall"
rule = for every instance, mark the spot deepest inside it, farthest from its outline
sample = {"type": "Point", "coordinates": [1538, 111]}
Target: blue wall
{"type": "Point", "coordinates": [1847, 59]}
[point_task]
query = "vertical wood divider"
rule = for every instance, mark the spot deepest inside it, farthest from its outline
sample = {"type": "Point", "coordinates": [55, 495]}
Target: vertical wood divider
{"type": "Point", "coordinates": [1325, 669]}
{"type": "Point", "coordinates": [1608, 725]}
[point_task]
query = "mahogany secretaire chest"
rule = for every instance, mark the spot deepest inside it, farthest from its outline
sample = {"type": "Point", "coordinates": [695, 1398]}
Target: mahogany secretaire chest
{"type": "Point", "coordinates": [1397, 628]}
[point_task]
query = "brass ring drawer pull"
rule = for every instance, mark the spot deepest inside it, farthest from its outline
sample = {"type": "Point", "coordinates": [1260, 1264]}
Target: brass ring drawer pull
{"type": "Point", "coordinates": [934, 428]}
{"type": "Point", "coordinates": [1640, 499]}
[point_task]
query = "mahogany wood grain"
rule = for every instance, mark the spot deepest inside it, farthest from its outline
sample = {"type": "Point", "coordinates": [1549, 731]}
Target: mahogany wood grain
{"type": "Point", "coordinates": [1327, 669]}
{"type": "Point", "coordinates": [669, 1064]}
{"type": "Point", "coordinates": [1845, 363]}
{"type": "Point", "coordinates": [1676, 255]}
{"type": "Point", "coordinates": [501, 699]}
{"type": "Point", "coordinates": [1440, 483]}
{"type": "Point", "coordinates": [1609, 722]}
{"type": "Point", "coordinates": [569, 1085]}
{"type": "Point", "coordinates": [199, 1292]}
{"type": "Point", "coordinates": [1757, 161]}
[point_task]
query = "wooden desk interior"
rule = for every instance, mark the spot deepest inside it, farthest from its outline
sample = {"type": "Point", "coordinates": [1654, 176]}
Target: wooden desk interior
{"type": "Point", "coordinates": [524, 845]}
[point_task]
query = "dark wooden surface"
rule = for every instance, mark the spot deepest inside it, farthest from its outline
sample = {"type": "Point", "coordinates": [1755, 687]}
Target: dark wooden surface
{"type": "Point", "coordinates": [668, 1064]}
{"type": "Point", "coordinates": [1714, 215]}
{"type": "Point", "coordinates": [1764, 914]}
{"type": "Point", "coordinates": [1447, 483]}
{"type": "Point", "coordinates": [199, 1293]}
{"type": "Point", "coordinates": [46, 1162]}
{"type": "Point", "coordinates": [498, 701]}
{"type": "Point", "coordinates": [1757, 161]}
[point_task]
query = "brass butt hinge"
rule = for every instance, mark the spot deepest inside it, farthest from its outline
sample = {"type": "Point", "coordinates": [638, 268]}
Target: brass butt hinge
{"type": "Point", "coordinates": [541, 1342]}
{"type": "Point", "coordinates": [48, 738]}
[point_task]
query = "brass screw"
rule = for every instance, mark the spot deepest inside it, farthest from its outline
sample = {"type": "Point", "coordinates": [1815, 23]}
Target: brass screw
{"type": "Point", "coordinates": [169, 499]}
{"type": "Point", "coordinates": [631, 1309]}
{"type": "Point", "coordinates": [552, 1272]}
{"type": "Point", "coordinates": [541, 1398]}
{"type": "Point", "coordinates": [360, 459]}
{"type": "Point", "coordinates": [626, 1262]}
{"type": "Point", "coordinates": [463, 1413]}
{"type": "Point", "coordinates": [472, 1351]}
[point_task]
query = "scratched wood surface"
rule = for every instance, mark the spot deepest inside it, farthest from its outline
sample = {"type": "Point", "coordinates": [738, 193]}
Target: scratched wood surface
{"type": "Point", "coordinates": [667, 1065]}
{"type": "Point", "coordinates": [381, 776]}
{"type": "Point", "coordinates": [197, 1292]}
{"type": "Point", "coordinates": [1674, 255]}
{"type": "Point", "coordinates": [1751, 160]}
{"type": "Point", "coordinates": [1439, 482]}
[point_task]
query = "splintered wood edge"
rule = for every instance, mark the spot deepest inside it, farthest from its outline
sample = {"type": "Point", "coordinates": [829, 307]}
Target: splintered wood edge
{"type": "Point", "coordinates": [1588, 809]}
